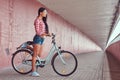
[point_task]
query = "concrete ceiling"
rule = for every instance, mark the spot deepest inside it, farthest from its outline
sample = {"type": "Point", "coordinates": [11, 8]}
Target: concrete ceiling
{"type": "Point", "coordinates": [93, 17]}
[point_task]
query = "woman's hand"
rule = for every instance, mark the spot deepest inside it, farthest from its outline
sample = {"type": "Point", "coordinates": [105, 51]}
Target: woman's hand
{"type": "Point", "coordinates": [42, 35]}
{"type": "Point", "coordinates": [45, 34]}
{"type": "Point", "coordinates": [48, 34]}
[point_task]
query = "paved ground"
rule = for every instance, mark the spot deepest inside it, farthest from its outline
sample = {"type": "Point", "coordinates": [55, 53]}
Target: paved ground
{"type": "Point", "coordinates": [89, 68]}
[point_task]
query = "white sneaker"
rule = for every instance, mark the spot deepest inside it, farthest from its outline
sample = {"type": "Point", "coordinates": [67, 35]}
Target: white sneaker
{"type": "Point", "coordinates": [35, 74]}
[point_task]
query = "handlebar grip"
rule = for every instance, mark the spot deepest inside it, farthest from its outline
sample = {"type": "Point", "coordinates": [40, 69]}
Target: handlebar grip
{"type": "Point", "coordinates": [53, 34]}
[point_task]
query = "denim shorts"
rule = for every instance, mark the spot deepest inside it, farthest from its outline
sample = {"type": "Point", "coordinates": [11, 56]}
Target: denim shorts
{"type": "Point", "coordinates": [38, 40]}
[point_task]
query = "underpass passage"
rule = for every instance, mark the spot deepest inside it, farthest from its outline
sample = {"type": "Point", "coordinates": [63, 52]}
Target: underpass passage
{"type": "Point", "coordinates": [90, 67]}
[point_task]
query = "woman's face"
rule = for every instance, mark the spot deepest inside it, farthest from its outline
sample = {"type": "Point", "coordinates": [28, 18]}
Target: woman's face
{"type": "Point", "coordinates": [44, 13]}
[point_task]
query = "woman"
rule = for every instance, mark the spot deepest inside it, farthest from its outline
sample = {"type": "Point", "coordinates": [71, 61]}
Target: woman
{"type": "Point", "coordinates": [41, 29]}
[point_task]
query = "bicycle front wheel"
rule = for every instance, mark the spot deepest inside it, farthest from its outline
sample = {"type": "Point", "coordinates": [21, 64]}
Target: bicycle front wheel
{"type": "Point", "coordinates": [21, 61]}
{"type": "Point", "coordinates": [65, 67]}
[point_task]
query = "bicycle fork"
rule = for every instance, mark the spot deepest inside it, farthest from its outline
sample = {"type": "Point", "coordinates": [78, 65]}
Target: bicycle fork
{"type": "Point", "coordinates": [59, 53]}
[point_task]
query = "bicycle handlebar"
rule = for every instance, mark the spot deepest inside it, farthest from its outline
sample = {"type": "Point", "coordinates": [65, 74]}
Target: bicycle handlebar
{"type": "Point", "coordinates": [53, 37]}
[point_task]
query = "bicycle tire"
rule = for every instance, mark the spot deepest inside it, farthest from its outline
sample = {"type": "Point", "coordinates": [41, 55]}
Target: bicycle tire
{"type": "Point", "coordinates": [14, 64]}
{"type": "Point", "coordinates": [59, 72]}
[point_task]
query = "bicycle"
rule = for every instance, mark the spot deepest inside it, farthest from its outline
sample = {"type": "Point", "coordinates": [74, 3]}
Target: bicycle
{"type": "Point", "coordinates": [64, 63]}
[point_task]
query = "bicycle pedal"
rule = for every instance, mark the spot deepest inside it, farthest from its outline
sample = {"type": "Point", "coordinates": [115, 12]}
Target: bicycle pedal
{"type": "Point", "coordinates": [41, 66]}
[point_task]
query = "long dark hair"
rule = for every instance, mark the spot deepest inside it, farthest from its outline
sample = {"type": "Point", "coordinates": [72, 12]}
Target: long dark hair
{"type": "Point", "coordinates": [41, 9]}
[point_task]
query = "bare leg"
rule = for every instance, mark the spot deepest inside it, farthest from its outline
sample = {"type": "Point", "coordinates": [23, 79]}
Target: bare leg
{"type": "Point", "coordinates": [36, 51]}
{"type": "Point", "coordinates": [40, 51]}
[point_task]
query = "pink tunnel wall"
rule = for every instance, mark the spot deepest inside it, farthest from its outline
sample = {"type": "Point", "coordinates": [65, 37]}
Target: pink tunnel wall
{"type": "Point", "coordinates": [114, 49]}
{"type": "Point", "coordinates": [16, 26]}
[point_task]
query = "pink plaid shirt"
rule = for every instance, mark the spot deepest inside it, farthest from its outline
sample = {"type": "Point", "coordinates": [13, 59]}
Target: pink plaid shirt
{"type": "Point", "coordinates": [39, 26]}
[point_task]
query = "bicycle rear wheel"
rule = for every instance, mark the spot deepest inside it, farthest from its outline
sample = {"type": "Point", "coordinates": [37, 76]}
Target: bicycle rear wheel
{"type": "Point", "coordinates": [21, 61]}
{"type": "Point", "coordinates": [70, 65]}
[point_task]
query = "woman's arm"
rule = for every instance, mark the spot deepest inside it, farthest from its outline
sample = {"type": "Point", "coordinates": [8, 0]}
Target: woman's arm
{"type": "Point", "coordinates": [37, 28]}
